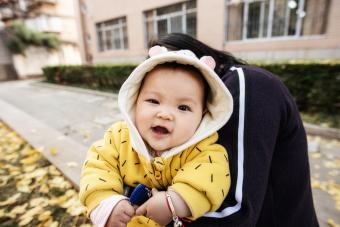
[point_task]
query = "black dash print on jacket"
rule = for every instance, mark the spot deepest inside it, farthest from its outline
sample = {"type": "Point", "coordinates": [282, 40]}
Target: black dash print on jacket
{"type": "Point", "coordinates": [114, 190]}
{"type": "Point", "coordinates": [110, 141]}
{"type": "Point", "coordinates": [212, 178]}
{"type": "Point", "coordinates": [123, 163]}
{"type": "Point", "coordinates": [135, 183]}
{"type": "Point", "coordinates": [226, 158]}
{"type": "Point", "coordinates": [180, 156]}
{"type": "Point", "coordinates": [150, 172]}
{"type": "Point", "coordinates": [210, 159]}
{"type": "Point", "coordinates": [86, 162]}
{"type": "Point", "coordinates": [99, 146]}
{"type": "Point", "coordinates": [198, 166]}
{"type": "Point", "coordinates": [124, 141]}
{"type": "Point", "coordinates": [222, 193]}
{"type": "Point", "coordinates": [97, 156]}
{"type": "Point", "coordinates": [145, 175]}
{"type": "Point", "coordinates": [182, 169]}
{"type": "Point", "coordinates": [176, 170]}
{"type": "Point", "coordinates": [102, 179]}
{"type": "Point", "coordinates": [137, 163]}
{"type": "Point", "coordinates": [123, 177]}
{"type": "Point", "coordinates": [198, 149]}
{"type": "Point", "coordinates": [160, 162]}
{"type": "Point", "coordinates": [227, 175]}
{"type": "Point", "coordinates": [86, 187]}
{"type": "Point", "coordinates": [119, 130]}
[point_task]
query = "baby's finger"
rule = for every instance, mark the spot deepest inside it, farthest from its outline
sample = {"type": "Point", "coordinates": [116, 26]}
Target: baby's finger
{"type": "Point", "coordinates": [141, 210]}
{"type": "Point", "coordinates": [154, 191]}
{"type": "Point", "coordinates": [125, 218]}
{"type": "Point", "coordinates": [130, 211]}
{"type": "Point", "coordinates": [120, 224]}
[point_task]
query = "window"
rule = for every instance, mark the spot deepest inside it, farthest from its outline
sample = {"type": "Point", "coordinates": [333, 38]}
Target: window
{"type": "Point", "coordinates": [112, 35]}
{"type": "Point", "coordinates": [253, 19]}
{"type": "Point", "coordinates": [180, 18]}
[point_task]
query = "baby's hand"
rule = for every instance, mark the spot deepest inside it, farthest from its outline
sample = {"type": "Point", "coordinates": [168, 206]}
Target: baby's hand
{"type": "Point", "coordinates": [156, 208]}
{"type": "Point", "coordinates": [121, 214]}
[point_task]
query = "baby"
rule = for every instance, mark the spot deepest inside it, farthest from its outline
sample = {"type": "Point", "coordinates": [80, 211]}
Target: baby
{"type": "Point", "coordinates": [173, 103]}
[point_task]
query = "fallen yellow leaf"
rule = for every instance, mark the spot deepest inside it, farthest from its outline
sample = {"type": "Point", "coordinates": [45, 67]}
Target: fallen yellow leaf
{"type": "Point", "coordinates": [53, 151]}
{"type": "Point", "coordinates": [26, 220]}
{"type": "Point", "coordinates": [45, 215]}
{"type": "Point", "coordinates": [10, 200]}
{"type": "Point", "coordinates": [19, 209]}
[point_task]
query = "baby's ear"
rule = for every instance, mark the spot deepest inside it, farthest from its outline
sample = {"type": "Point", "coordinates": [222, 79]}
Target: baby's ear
{"type": "Point", "coordinates": [155, 50]}
{"type": "Point", "coordinates": [209, 61]}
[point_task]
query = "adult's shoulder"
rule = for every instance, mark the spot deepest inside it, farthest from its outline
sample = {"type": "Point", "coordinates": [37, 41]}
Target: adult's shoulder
{"type": "Point", "coordinates": [253, 73]}
{"type": "Point", "coordinates": [255, 77]}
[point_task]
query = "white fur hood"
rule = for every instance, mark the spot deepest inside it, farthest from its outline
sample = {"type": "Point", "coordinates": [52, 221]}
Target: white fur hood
{"type": "Point", "coordinates": [219, 106]}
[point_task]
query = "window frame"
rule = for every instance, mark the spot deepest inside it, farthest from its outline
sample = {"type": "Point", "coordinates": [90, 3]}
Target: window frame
{"type": "Point", "coordinates": [268, 36]}
{"type": "Point", "coordinates": [118, 23]}
{"type": "Point", "coordinates": [156, 18]}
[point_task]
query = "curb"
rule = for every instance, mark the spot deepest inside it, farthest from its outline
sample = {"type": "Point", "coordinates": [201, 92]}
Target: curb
{"type": "Point", "coordinates": [40, 83]}
{"type": "Point", "coordinates": [69, 154]}
{"type": "Point", "coordinates": [330, 133]}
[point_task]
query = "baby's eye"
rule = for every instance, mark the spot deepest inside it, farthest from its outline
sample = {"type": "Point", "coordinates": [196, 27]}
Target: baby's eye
{"type": "Point", "coordinates": [153, 101]}
{"type": "Point", "coordinates": [184, 108]}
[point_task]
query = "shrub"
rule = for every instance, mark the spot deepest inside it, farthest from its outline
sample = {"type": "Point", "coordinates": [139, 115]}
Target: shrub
{"type": "Point", "coordinates": [104, 77]}
{"type": "Point", "coordinates": [315, 87]}
{"type": "Point", "coordinates": [19, 37]}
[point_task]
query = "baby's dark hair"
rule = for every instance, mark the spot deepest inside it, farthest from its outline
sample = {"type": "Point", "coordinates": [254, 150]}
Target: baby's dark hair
{"type": "Point", "coordinates": [192, 69]}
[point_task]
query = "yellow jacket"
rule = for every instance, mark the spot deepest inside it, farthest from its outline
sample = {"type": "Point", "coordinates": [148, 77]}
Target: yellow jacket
{"type": "Point", "coordinates": [200, 173]}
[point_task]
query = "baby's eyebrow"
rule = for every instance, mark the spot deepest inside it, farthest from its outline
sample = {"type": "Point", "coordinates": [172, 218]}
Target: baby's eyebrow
{"type": "Point", "coordinates": [187, 99]}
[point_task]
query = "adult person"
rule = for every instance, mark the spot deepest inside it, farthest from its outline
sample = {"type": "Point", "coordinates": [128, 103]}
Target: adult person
{"type": "Point", "coordinates": [267, 146]}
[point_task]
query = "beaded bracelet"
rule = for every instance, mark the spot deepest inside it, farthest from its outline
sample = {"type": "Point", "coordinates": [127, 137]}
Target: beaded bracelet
{"type": "Point", "coordinates": [175, 218]}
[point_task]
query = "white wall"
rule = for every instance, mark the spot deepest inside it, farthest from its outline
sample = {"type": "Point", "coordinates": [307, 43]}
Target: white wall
{"type": "Point", "coordinates": [36, 58]}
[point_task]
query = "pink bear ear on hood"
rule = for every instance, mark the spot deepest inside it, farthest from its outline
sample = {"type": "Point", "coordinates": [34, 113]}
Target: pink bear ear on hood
{"type": "Point", "coordinates": [209, 61]}
{"type": "Point", "coordinates": [155, 50]}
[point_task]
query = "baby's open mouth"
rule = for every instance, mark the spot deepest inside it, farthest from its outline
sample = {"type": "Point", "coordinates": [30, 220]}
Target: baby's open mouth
{"type": "Point", "coordinates": [160, 130]}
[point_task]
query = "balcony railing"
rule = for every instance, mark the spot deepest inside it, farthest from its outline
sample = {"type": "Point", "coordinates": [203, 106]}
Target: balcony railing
{"type": "Point", "coordinates": [45, 23]}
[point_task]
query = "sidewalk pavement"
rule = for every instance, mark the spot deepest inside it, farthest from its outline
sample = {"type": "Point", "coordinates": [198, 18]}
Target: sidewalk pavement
{"type": "Point", "coordinates": [63, 122]}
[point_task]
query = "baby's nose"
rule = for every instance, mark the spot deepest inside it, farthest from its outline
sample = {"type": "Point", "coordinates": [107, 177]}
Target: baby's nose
{"type": "Point", "coordinates": [165, 115]}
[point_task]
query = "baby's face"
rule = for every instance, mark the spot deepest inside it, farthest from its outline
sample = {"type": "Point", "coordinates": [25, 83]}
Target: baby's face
{"type": "Point", "coordinates": [169, 107]}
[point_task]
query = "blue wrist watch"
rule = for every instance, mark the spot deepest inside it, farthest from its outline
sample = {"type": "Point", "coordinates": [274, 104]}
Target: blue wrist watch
{"type": "Point", "coordinates": [140, 194]}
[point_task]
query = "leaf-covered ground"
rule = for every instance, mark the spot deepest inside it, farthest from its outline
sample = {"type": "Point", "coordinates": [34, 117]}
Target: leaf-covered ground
{"type": "Point", "coordinates": [32, 191]}
{"type": "Point", "coordinates": [325, 179]}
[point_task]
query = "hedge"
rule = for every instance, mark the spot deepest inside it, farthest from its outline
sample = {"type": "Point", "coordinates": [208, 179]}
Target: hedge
{"type": "Point", "coordinates": [102, 77]}
{"type": "Point", "coordinates": [315, 87]}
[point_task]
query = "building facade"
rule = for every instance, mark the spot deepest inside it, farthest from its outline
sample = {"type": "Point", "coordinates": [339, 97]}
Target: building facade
{"type": "Point", "coordinates": [59, 17]}
{"type": "Point", "coordinates": [119, 30]}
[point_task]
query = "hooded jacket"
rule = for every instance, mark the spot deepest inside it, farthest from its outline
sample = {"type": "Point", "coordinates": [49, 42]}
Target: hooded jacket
{"type": "Point", "coordinates": [197, 170]}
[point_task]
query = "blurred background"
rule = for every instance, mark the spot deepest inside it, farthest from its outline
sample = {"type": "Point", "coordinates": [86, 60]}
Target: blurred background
{"type": "Point", "coordinates": [61, 59]}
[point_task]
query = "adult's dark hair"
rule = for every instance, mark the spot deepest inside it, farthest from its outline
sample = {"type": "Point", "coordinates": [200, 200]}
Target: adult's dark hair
{"type": "Point", "coordinates": [177, 41]}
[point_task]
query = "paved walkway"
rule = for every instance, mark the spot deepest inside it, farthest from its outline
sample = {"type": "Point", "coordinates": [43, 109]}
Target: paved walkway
{"type": "Point", "coordinates": [62, 122]}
